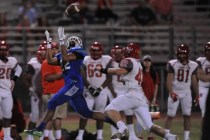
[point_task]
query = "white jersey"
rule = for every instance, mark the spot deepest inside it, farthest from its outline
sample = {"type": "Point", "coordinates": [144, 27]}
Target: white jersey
{"type": "Point", "coordinates": [116, 79]}
{"type": "Point", "coordinates": [5, 72]}
{"type": "Point", "coordinates": [96, 78]}
{"type": "Point", "coordinates": [133, 78]}
{"type": "Point", "coordinates": [182, 75]}
{"type": "Point", "coordinates": [36, 78]}
{"type": "Point", "coordinates": [204, 64]}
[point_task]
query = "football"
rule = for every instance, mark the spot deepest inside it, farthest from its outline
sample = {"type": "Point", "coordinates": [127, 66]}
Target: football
{"type": "Point", "coordinates": [72, 9]}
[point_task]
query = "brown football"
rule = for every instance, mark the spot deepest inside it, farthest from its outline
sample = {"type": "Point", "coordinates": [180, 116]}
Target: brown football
{"type": "Point", "coordinates": [72, 9]}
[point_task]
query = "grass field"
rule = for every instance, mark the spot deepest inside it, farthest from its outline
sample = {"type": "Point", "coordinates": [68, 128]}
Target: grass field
{"type": "Point", "coordinates": [72, 122]}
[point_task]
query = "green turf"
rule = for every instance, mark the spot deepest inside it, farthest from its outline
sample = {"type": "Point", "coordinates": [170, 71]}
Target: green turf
{"type": "Point", "coordinates": [177, 128]}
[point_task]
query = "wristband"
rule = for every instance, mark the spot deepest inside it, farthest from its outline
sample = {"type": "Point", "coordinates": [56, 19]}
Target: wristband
{"type": "Point", "coordinates": [103, 70]}
{"type": "Point", "coordinates": [61, 42]}
{"type": "Point", "coordinates": [48, 45]}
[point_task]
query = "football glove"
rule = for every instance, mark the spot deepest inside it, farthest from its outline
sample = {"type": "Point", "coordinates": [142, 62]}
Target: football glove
{"type": "Point", "coordinates": [97, 91]}
{"type": "Point", "coordinates": [91, 89]}
{"type": "Point", "coordinates": [174, 96]}
{"type": "Point", "coordinates": [61, 35]}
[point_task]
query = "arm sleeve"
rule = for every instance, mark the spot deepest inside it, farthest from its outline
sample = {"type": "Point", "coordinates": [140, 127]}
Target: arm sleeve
{"type": "Point", "coordinates": [18, 71]}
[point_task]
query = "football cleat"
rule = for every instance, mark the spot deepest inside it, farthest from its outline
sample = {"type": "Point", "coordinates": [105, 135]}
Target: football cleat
{"type": "Point", "coordinates": [119, 135]}
{"type": "Point", "coordinates": [34, 132]}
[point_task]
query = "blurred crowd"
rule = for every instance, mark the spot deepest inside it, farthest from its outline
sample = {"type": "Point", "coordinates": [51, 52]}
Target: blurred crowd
{"type": "Point", "coordinates": [142, 12]}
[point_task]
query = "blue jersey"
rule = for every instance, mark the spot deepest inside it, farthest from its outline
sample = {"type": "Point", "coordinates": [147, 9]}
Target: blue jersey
{"type": "Point", "coordinates": [72, 69]}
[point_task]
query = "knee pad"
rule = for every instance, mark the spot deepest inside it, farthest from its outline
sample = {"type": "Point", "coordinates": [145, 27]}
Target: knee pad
{"type": "Point", "coordinates": [34, 117]}
{"type": "Point", "coordinates": [171, 114]}
{"type": "Point", "coordinates": [110, 107]}
{"type": "Point", "coordinates": [7, 115]}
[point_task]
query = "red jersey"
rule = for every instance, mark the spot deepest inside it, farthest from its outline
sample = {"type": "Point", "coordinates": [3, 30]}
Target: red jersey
{"type": "Point", "coordinates": [148, 85]}
{"type": "Point", "coordinates": [54, 86]}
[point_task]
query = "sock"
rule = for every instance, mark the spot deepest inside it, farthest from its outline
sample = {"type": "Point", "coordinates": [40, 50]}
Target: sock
{"type": "Point", "coordinates": [30, 137]}
{"type": "Point", "coordinates": [121, 125]}
{"type": "Point", "coordinates": [168, 134]}
{"type": "Point", "coordinates": [186, 135]}
{"type": "Point", "coordinates": [58, 134]}
{"type": "Point", "coordinates": [41, 126]}
{"type": "Point", "coordinates": [80, 133]}
{"type": "Point", "coordinates": [46, 133]}
{"type": "Point", "coordinates": [131, 130]}
{"type": "Point", "coordinates": [51, 135]}
{"type": "Point", "coordinates": [108, 120]}
{"type": "Point", "coordinates": [100, 134]}
{"type": "Point", "coordinates": [167, 130]}
{"type": "Point", "coordinates": [7, 131]}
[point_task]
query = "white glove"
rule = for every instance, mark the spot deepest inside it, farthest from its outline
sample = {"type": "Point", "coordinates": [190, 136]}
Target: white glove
{"type": "Point", "coordinates": [49, 40]}
{"type": "Point", "coordinates": [61, 35]}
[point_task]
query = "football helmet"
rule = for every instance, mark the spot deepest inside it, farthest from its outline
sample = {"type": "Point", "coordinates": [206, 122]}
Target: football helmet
{"type": "Point", "coordinates": [117, 53]}
{"type": "Point", "coordinates": [96, 50]}
{"type": "Point", "coordinates": [133, 50]}
{"type": "Point", "coordinates": [183, 52]}
{"type": "Point", "coordinates": [4, 49]}
{"type": "Point", "coordinates": [41, 52]}
{"type": "Point", "coordinates": [73, 41]}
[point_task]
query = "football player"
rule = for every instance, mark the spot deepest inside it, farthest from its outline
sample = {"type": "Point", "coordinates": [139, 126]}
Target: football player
{"type": "Point", "coordinates": [32, 79]}
{"type": "Point", "coordinates": [203, 76]}
{"type": "Point", "coordinates": [7, 81]}
{"type": "Point", "coordinates": [181, 74]}
{"type": "Point", "coordinates": [96, 83]}
{"type": "Point", "coordinates": [130, 70]}
{"type": "Point", "coordinates": [70, 59]}
{"type": "Point", "coordinates": [52, 81]}
{"type": "Point", "coordinates": [117, 54]}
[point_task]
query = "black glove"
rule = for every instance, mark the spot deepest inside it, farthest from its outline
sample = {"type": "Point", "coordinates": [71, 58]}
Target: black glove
{"type": "Point", "coordinates": [97, 92]}
{"type": "Point", "coordinates": [91, 89]}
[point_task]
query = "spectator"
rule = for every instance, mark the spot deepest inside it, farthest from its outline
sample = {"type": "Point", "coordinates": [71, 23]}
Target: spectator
{"type": "Point", "coordinates": [104, 11]}
{"type": "Point", "coordinates": [163, 9]}
{"type": "Point", "coordinates": [150, 85]}
{"type": "Point", "coordinates": [143, 14]}
{"type": "Point", "coordinates": [26, 10]}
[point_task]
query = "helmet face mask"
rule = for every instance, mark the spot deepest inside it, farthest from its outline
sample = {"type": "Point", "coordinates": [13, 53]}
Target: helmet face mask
{"type": "Point", "coordinates": [182, 53]}
{"type": "Point", "coordinates": [73, 41]}
{"type": "Point", "coordinates": [117, 53]}
{"type": "Point", "coordinates": [96, 50]}
{"type": "Point", "coordinates": [133, 50]}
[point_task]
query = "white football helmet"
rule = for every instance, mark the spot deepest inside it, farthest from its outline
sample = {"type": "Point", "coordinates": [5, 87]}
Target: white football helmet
{"type": "Point", "coordinates": [73, 41]}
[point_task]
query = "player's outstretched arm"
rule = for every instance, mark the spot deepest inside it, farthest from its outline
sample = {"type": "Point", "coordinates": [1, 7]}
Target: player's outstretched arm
{"type": "Point", "coordinates": [65, 55]}
{"type": "Point", "coordinates": [51, 60]}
